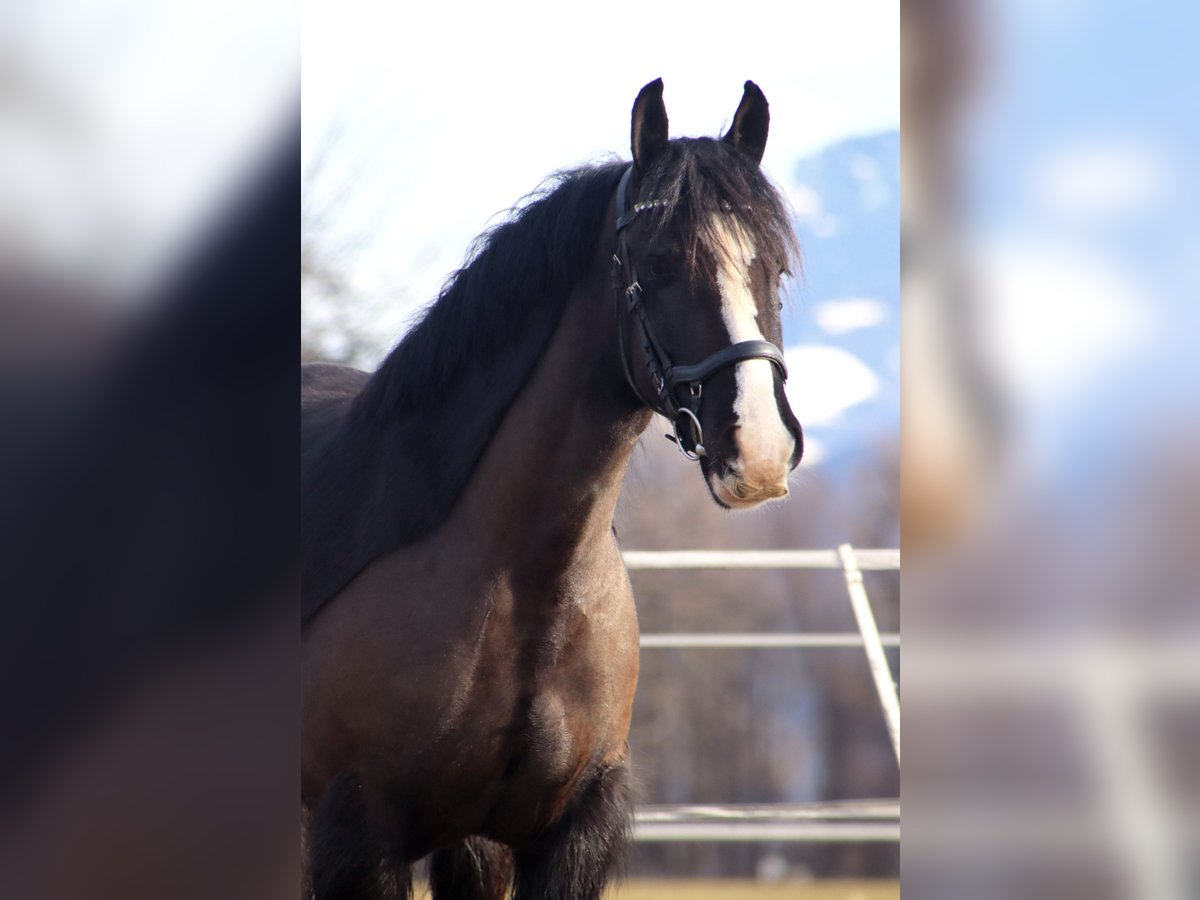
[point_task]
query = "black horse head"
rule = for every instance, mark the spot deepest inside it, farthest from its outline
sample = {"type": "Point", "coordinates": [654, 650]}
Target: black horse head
{"type": "Point", "coordinates": [704, 240]}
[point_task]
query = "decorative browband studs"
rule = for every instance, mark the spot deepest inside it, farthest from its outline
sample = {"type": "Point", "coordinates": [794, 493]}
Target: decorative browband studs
{"type": "Point", "coordinates": [643, 205]}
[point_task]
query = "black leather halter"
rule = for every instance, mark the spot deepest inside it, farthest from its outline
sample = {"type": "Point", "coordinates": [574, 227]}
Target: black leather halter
{"type": "Point", "coordinates": [679, 388]}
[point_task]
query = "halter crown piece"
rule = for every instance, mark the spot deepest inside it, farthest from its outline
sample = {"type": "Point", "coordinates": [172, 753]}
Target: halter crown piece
{"type": "Point", "coordinates": [679, 388]}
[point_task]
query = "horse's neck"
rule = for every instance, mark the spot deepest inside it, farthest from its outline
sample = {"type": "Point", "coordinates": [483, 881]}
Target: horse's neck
{"type": "Point", "coordinates": [547, 486]}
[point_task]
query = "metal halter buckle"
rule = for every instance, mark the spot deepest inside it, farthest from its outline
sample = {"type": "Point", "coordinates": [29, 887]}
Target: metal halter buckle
{"type": "Point", "coordinates": [699, 450]}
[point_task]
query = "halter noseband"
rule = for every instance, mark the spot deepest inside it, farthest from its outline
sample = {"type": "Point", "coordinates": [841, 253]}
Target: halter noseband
{"type": "Point", "coordinates": [666, 377]}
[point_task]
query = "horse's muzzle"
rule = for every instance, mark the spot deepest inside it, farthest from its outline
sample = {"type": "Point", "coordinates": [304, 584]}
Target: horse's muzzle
{"type": "Point", "coordinates": [739, 493]}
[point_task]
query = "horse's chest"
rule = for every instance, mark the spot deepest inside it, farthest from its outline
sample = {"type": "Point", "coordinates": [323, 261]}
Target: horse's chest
{"type": "Point", "coordinates": [577, 678]}
{"type": "Point", "coordinates": [572, 704]}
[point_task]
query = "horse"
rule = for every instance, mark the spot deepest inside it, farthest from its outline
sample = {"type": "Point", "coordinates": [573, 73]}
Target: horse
{"type": "Point", "coordinates": [470, 642]}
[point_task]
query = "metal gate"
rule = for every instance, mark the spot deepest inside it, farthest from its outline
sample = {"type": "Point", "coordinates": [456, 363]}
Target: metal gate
{"type": "Point", "coordinates": [847, 820]}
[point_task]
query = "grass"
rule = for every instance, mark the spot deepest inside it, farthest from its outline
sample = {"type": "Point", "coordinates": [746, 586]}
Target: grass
{"type": "Point", "coordinates": [647, 889]}
{"type": "Point", "coordinates": [755, 890]}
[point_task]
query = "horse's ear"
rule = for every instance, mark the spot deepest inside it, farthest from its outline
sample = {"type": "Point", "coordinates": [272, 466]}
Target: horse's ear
{"type": "Point", "coordinates": [649, 133]}
{"type": "Point", "coordinates": [750, 123]}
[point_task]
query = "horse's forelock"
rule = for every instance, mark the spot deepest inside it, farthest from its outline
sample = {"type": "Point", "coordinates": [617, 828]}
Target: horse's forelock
{"type": "Point", "coordinates": [700, 181]}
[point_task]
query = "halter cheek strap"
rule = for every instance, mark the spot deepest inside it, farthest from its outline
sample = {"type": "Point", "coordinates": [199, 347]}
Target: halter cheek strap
{"type": "Point", "coordinates": [682, 407]}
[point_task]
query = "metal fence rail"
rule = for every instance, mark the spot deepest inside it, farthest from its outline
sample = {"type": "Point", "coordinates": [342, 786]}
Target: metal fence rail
{"type": "Point", "coordinates": [749, 640]}
{"type": "Point", "coordinates": [875, 820]}
{"type": "Point", "coordinates": [881, 672]}
{"type": "Point", "coordinates": [854, 820]}
{"type": "Point", "coordinates": [879, 560]}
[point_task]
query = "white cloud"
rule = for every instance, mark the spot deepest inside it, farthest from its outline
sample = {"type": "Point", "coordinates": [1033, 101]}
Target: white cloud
{"type": "Point", "coordinates": [1054, 317]}
{"type": "Point", "coordinates": [826, 226]}
{"type": "Point", "coordinates": [842, 316]}
{"type": "Point", "coordinates": [810, 210]}
{"type": "Point", "coordinates": [806, 202]}
{"type": "Point", "coordinates": [1100, 179]}
{"type": "Point", "coordinates": [864, 168]}
{"type": "Point", "coordinates": [824, 382]}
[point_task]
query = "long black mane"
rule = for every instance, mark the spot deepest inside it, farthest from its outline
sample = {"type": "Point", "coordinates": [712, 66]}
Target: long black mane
{"type": "Point", "coordinates": [389, 469]}
{"type": "Point", "coordinates": [385, 456]}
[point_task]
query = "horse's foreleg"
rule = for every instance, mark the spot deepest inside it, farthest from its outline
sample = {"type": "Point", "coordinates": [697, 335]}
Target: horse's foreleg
{"type": "Point", "coordinates": [347, 856]}
{"type": "Point", "coordinates": [575, 862]}
{"type": "Point", "coordinates": [476, 869]}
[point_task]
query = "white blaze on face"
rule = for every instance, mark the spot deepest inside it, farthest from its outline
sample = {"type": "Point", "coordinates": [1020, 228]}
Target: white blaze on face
{"type": "Point", "coordinates": [764, 442]}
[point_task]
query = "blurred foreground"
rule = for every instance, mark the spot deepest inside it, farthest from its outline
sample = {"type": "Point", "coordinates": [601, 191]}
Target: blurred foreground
{"type": "Point", "coordinates": [148, 509]}
{"type": "Point", "coordinates": [1051, 438]}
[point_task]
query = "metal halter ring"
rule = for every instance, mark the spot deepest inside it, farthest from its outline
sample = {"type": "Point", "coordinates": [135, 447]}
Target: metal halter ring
{"type": "Point", "coordinates": [699, 451]}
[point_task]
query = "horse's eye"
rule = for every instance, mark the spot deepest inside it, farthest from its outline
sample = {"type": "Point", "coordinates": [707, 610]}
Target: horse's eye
{"type": "Point", "coordinates": [659, 270]}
